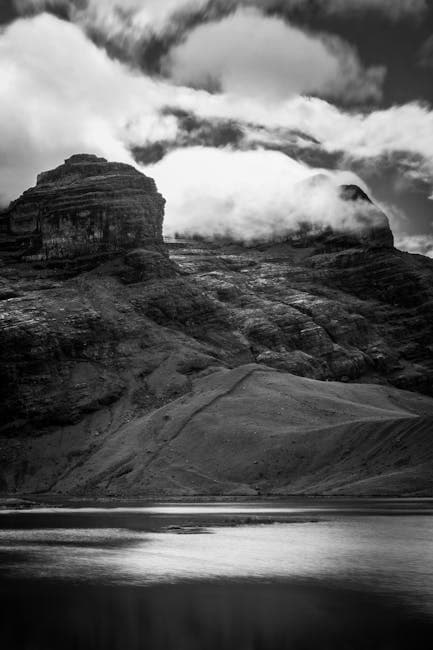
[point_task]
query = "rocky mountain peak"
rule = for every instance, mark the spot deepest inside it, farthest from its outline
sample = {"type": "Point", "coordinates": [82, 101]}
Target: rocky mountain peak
{"type": "Point", "coordinates": [372, 224]}
{"type": "Point", "coordinates": [353, 193]}
{"type": "Point", "coordinates": [366, 224]}
{"type": "Point", "coordinates": [78, 158]}
{"type": "Point", "coordinates": [85, 207]}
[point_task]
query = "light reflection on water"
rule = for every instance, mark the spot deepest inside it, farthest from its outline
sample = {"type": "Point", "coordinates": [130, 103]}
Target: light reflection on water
{"type": "Point", "coordinates": [383, 553]}
{"type": "Point", "coordinates": [125, 578]}
{"type": "Point", "coordinates": [298, 506]}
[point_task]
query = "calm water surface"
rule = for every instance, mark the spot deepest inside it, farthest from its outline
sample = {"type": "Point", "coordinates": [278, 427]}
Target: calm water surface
{"type": "Point", "coordinates": [301, 574]}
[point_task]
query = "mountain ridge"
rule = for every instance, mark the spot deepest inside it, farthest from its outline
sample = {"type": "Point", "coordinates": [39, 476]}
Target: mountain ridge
{"type": "Point", "coordinates": [92, 341]}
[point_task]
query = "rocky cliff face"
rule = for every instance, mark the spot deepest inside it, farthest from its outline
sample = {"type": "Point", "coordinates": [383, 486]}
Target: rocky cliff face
{"type": "Point", "coordinates": [362, 313]}
{"type": "Point", "coordinates": [105, 333]}
{"type": "Point", "coordinates": [85, 207]}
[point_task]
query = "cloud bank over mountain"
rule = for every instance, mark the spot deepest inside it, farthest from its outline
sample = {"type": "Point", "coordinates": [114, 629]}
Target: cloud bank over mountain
{"type": "Point", "coordinates": [252, 195]}
{"type": "Point", "coordinates": [113, 78]}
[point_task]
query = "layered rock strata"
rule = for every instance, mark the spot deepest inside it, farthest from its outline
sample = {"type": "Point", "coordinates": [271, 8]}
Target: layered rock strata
{"type": "Point", "coordinates": [84, 207]}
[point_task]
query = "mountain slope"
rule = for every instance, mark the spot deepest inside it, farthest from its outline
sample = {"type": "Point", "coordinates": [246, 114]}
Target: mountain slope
{"type": "Point", "coordinates": [254, 430]}
{"type": "Point", "coordinates": [102, 325]}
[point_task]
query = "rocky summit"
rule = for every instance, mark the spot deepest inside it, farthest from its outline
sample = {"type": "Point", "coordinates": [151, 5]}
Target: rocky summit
{"type": "Point", "coordinates": [134, 367]}
{"type": "Point", "coordinates": [85, 207]}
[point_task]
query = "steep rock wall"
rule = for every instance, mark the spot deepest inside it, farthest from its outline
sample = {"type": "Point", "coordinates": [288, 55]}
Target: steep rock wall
{"type": "Point", "coordinates": [86, 206]}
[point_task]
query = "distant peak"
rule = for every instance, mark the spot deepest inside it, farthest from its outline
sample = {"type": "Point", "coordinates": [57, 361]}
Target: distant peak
{"type": "Point", "coordinates": [353, 193]}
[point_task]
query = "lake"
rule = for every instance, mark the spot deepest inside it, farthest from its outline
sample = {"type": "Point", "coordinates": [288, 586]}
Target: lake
{"type": "Point", "coordinates": [299, 574]}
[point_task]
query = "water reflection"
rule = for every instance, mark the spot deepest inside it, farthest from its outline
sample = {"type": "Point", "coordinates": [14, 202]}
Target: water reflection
{"type": "Point", "coordinates": [343, 581]}
{"type": "Point", "coordinates": [389, 554]}
{"type": "Point", "coordinates": [203, 616]}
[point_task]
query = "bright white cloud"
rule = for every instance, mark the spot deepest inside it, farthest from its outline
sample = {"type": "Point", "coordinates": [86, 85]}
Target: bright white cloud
{"type": "Point", "coordinates": [248, 54]}
{"type": "Point", "coordinates": [60, 94]}
{"type": "Point", "coordinates": [421, 244]}
{"type": "Point", "coordinates": [251, 195]}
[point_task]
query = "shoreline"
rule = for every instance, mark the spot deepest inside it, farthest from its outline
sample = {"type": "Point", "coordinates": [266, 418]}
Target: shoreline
{"type": "Point", "coordinates": [30, 502]}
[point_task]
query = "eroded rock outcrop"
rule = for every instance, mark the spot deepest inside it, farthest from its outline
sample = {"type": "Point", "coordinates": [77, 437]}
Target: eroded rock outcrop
{"type": "Point", "coordinates": [359, 312]}
{"type": "Point", "coordinates": [85, 207]}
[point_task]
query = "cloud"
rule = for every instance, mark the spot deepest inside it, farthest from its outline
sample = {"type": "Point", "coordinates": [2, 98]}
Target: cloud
{"type": "Point", "coordinates": [253, 195]}
{"type": "Point", "coordinates": [130, 21]}
{"type": "Point", "coordinates": [359, 135]}
{"type": "Point", "coordinates": [88, 102]}
{"type": "Point", "coordinates": [425, 56]}
{"type": "Point", "coordinates": [393, 9]}
{"type": "Point", "coordinates": [278, 62]}
{"type": "Point", "coordinates": [60, 94]}
{"type": "Point", "coordinates": [404, 171]}
{"type": "Point", "coordinates": [157, 12]}
{"type": "Point", "coordinates": [421, 244]}
{"type": "Point", "coordinates": [143, 32]}
{"type": "Point", "coordinates": [111, 13]}
{"type": "Point", "coordinates": [193, 131]}
{"type": "Point", "coordinates": [8, 12]}
{"type": "Point", "coordinates": [138, 31]}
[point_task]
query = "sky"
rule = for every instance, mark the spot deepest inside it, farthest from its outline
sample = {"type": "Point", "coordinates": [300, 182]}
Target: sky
{"type": "Point", "coordinates": [229, 104]}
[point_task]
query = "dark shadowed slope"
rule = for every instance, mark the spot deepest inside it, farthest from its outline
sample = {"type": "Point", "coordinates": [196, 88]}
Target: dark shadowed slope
{"type": "Point", "coordinates": [254, 430]}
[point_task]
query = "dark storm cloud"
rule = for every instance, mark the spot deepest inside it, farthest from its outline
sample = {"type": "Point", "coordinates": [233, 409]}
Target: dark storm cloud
{"type": "Point", "coordinates": [425, 58]}
{"type": "Point", "coordinates": [8, 12]}
{"type": "Point", "coordinates": [195, 131]}
{"type": "Point", "coordinates": [192, 131]}
{"type": "Point", "coordinates": [59, 8]}
{"type": "Point", "coordinates": [113, 24]}
{"type": "Point", "coordinates": [402, 172]}
{"type": "Point", "coordinates": [420, 244]}
{"type": "Point", "coordinates": [149, 49]}
{"type": "Point", "coordinates": [391, 9]}
{"type": "Point", "coordinates": [403, 179]}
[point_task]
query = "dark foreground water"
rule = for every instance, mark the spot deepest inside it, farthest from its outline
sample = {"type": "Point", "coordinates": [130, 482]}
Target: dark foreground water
{"type": "Point", "coordinates": [296, 575]}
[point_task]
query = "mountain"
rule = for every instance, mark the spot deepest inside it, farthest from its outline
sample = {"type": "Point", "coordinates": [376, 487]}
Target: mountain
{"type": "Point", "coordinates": [131, 366]}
